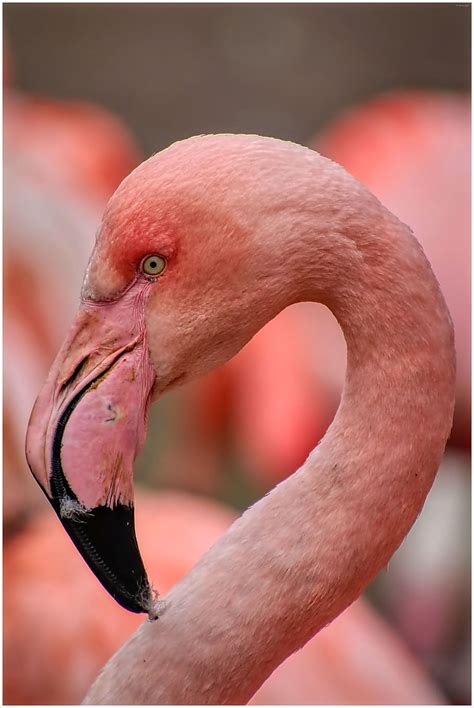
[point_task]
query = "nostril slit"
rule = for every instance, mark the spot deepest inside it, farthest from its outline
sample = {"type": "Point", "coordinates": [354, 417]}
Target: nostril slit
{"type": "Point", "coordinates": [75, 374]}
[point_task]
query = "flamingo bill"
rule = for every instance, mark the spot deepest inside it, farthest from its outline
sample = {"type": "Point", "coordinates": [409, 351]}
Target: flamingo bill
{"type": "Point", "coordinates": [87, 427]}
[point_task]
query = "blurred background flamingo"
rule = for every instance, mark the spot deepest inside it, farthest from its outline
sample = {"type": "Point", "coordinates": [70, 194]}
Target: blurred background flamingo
{"type": "Point", "coordinates": [251, 423]}
{"type": "Point", "coordinates": [58, 637]}
{"type": "Point", "coordinates": [61, 163]}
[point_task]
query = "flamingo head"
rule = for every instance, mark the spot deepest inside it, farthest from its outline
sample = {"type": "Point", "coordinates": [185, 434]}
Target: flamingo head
{"type": "Point", "coordinates": [177, 283]}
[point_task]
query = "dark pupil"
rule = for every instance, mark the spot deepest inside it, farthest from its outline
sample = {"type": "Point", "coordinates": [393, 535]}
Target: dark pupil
{"type": "Point", "coordinates": [153, 264]}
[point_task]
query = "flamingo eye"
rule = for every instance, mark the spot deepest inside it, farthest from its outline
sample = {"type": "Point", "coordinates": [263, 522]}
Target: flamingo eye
{"type": "Point", "coordinates": [153, 265]}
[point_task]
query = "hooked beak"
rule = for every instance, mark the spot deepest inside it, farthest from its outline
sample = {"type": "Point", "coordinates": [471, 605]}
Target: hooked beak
{"type": "Point", "coordinates": [85, 431]}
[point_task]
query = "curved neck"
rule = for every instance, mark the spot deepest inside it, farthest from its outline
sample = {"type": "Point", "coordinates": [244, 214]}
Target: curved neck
{"type": "Point", "coordinates": [302, 554]}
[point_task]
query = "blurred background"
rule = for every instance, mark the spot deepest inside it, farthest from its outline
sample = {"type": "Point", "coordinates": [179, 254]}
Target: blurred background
{"type": "Point", "coordinates": [90, 90]}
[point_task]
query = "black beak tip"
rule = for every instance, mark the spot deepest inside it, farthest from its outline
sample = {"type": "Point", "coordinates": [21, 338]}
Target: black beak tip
{"type": "Point", "coordinates": [105, 537]}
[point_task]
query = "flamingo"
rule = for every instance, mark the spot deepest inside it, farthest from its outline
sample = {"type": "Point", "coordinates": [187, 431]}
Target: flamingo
{"type": "Point", "coordinates": [199, 247]}
{"type": "Point", "coordinates": [75, 146]}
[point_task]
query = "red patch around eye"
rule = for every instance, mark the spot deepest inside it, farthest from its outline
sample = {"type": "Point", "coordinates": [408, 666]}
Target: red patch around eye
{"type": "Point", "coordinates": [151, 211]}
{"type": "Point", "coordinates": [125, 238]}
{"type": "Point", "coordinates": [133, 248]}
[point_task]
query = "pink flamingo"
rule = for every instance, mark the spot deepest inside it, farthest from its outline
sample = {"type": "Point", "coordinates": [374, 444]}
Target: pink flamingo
{"type": "Point", "coordinates": [278, 406]}
{"type": "Point", "coordinates": [198, 248]}
{"type": "Point", "coordinates": [75, 146]}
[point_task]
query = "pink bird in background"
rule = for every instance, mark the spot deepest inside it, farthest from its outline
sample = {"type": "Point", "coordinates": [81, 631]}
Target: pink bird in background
{"type": "Point", "coordinates": [77, 626]}
{"type": "Point", "coordinates": [412, 149]}
{"type": "Point", "coordinates": [62, 160]}
{"type": "Point", "coordinates": [74, 146]}
{"type": "Point", "coordinates": [265, 407]}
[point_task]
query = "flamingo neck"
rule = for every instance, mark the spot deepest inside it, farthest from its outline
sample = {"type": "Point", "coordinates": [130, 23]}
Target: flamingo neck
{"type": "Point", "coordinates": [303, 553]}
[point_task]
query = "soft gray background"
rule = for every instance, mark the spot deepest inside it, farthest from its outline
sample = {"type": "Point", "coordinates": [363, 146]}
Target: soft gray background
{"type": "Point", "coordinates": [174, 70]}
